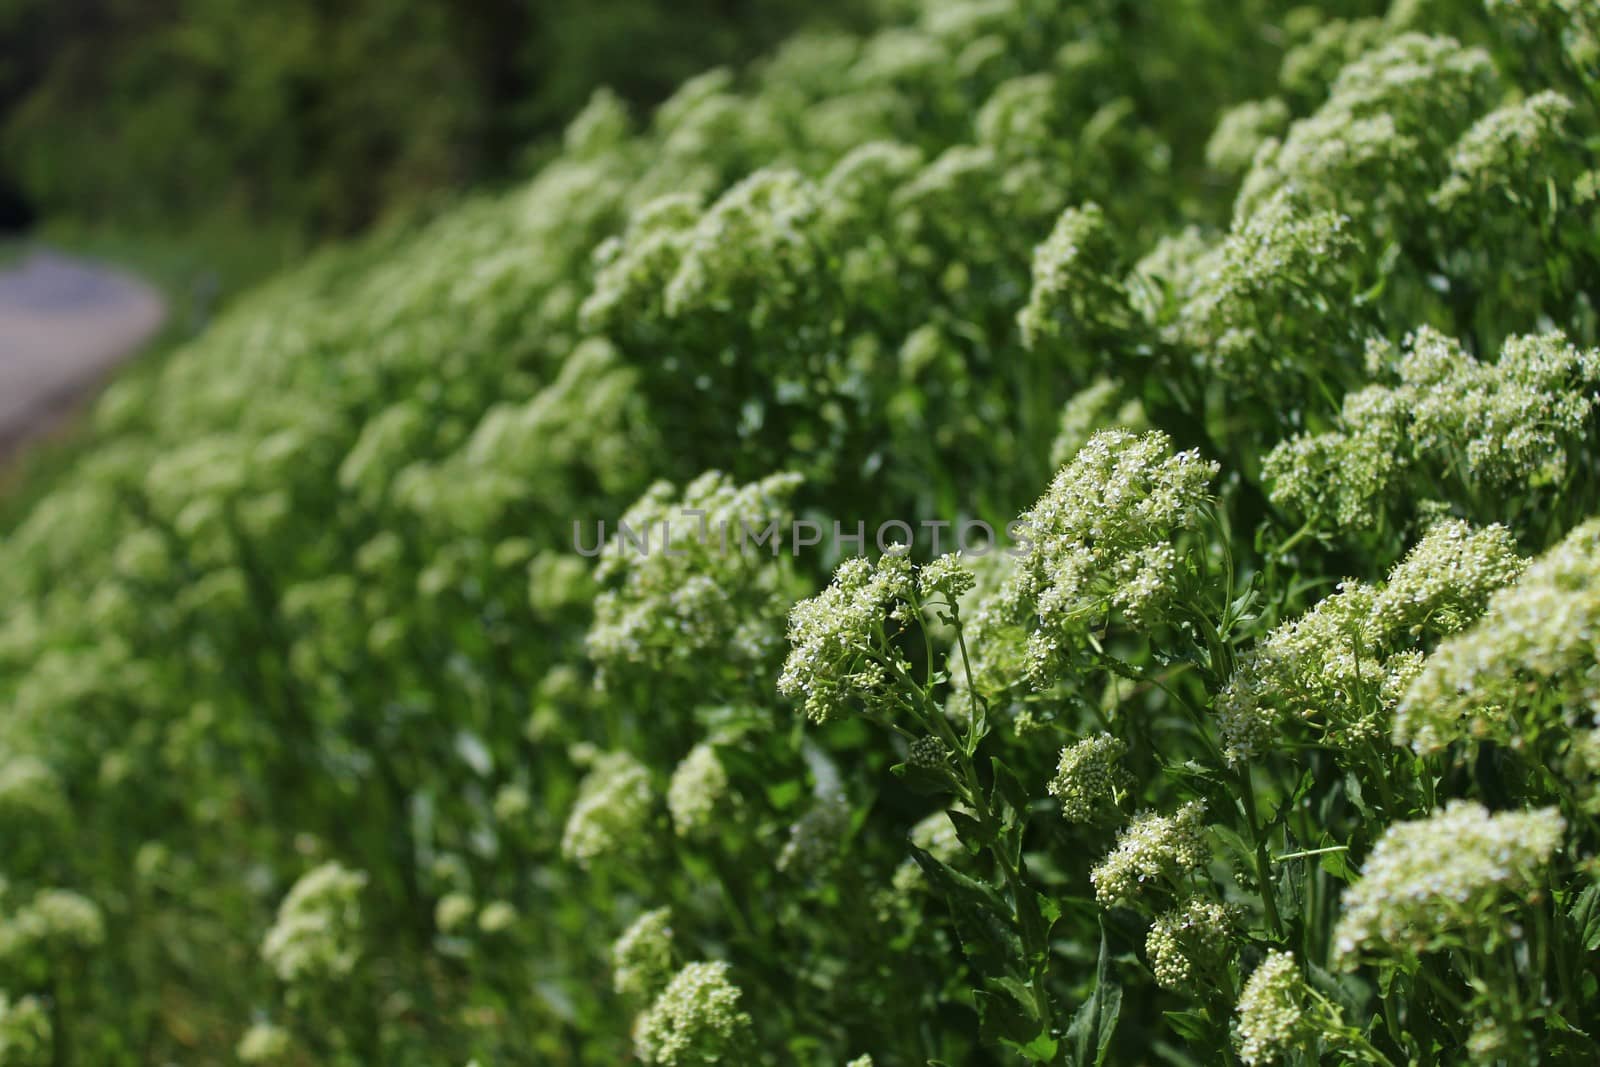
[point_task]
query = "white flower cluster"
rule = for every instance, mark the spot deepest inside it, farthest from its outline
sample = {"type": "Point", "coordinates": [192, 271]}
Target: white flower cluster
{"type": "Point", "coordinates": [633, 268]}
{"type": "Point", "coordinates": [1434, 882]}
{"type": "Point", "coordinates": [1101, 405]}
{"type": "Point", "coordinates": [1089, 775]}
{"type": "Point", "coordinates": [1242, 130]}
{"type": "Point", "coordinates": [947, 578]}
{"type": "Point", "coordinates": [1154, 852]}
{"type": "Point", "coordinates": [753, 245]}
{"type": "Point", "coordinates": [54, 921]}
{"type": "Point", "coordinates": [830, 635]}
{"type": "Point", "coordinates": [1322, 48]}
{"type": "Point", "coordinates": [1534, 648]}
{"type": "Point", "coordinates": [641, 959]}
{"type": "Point", "coordinates": [317, 936]}
{"type": "Point", "coordinates": [1389, 113]}
{"type": "Point", "coordinates": [699, 786]}
{"type": "Point", "coordinates": [1272, 1017]}
{"type": "Point", "coordinates": [1491, 424]}
{"type": "Point", "coordinates": [30, 792]}
{"type": "Point", "coordinates": [1020, 115]}
{"type": "Point", "coordinates": [1507, 150]}
{"type": "Point", "coordinates": [613, 811]}
{"type": "Point", "coordinates": [454, 911]}
{"type": "Point", "coordinates": [1191, 944]}
{"type": "Point", "coordinates": [696, 1021]}
{"type": "Point", "coordinates": [263, 1043]}
{"type": "Point", "coordinates": [26, 1037]}
{"type": "Point", "coordinates": [1103, 540]}
{"type": "Point", "coordinates": [1077, 289]}
{"type": "Point", "coordinates": [694, 592]}
{"type": "Point", "coordinates": [497, 917]}
{"type": "Point", "coordinates": [1252, 302]}
{"type": "Point", "coordinates": [589, 425]}
{"type": "Point", "coordinates": [1568, 14]}
{"type": "Point", "coordinates": [1343, 666]}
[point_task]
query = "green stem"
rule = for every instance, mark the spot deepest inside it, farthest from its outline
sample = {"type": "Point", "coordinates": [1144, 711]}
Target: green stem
{"type": "Point", "coordinates": [1269, 904]}
{"type": "Point", "coordinates": [972, 792]}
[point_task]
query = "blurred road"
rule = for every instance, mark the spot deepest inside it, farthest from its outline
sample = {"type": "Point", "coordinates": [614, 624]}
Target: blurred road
{"type": "Point", "coordinates": [64, 323]}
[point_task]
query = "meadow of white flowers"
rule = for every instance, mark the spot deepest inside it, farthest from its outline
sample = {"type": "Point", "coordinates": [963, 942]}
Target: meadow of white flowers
{"type": "Point", "coordinates": [1276, 743]}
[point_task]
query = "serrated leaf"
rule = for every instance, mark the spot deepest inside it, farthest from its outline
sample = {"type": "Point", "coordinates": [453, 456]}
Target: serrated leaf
{"type": "Point", "coordinates": [981, 918]}
{"type": "Point", "coordinates": [1002, 1020]}
{"type": "Point", "coordinates": [1234, 842]}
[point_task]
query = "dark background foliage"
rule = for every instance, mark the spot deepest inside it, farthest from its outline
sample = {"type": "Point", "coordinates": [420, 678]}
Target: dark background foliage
{"type": "Point", "coordinates": [319, 117]}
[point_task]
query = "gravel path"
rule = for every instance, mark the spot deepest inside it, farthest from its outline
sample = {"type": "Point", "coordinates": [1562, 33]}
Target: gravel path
{"type": "Point", "coordinates": [64, 323]}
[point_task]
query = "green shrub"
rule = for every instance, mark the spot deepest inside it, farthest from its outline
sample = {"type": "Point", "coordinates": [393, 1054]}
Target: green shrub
{"type": "Point", "coordinates": [1259, 725]}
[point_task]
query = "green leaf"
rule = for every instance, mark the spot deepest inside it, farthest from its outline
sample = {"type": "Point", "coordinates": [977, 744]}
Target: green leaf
{"type": "Point", "coordinates": [785, 794]}
{"type": "Point", "coordinates": [1003, 1020]}
{"type": "Point", "coordinates": [1089, 1036]}
{"type": "Point", "coordinates": [1010, 787]}
{"type": "Point", "coordinates": [924, 780]}
{"type": "Point", "coordinates": [982, 919]}
{"type": "Point", "coordinates": [1585, 915]}
{"type": "Point", "coordinates": [1234, 842]}
{"type": "Point", "coordinates": [970, 831]}
{"type": "Point", "coordinates": [1190, 1025]}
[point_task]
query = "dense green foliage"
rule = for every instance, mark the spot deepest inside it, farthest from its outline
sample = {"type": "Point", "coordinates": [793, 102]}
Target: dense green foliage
{"type": "Point", "coordinates": [1272, 740]}
{"type": "Point", "coordinates": [316, 118]}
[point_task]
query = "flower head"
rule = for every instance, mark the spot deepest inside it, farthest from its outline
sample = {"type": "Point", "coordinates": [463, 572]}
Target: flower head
{"type": "Point", "coordinates": [614, 806]}
{"type": "Point", "coordinates": [1089, 777]}
{"type": "Point", "coordinates": [1342, 666]}
{"type": "Point", "coordinates": [1102, 405]}
{"type": "Point", "coordinates": [641, 959]}
{"type": "Point", "coordinates": [497, 917]}
{"type": "Point", "coordinates": [1077, 289]}
{"type": "Point", "coordinates": [1441, 880]}
{"type": "Point", "coordinates": [1102, 542]}
{"type": "Point", "coordinates": [1242, 130]}
{"type": "Point", "coordinates": [1153, 853]}
{"type": "Point", "coordinates": [453, 911]}
{"type": "Point", "coordinates": [1272, 1017]}
{"type": "Point", "coordinates": [696, 1020]}
{"type": "Point", "coordinates": [26, 1036]}
{"type": "Point", "coordinates": [817, 837]}
{"type": "Point", "coordinates": [1506, 150]}
{"type": "Point", "coordinates": [1254, 305]}
{"type": "Point", "coordinates": [682, 586]}
{"type": "Point", "coordinates": [830, 668]}
{"type": "Point", "coordinates": [699, 786]}
{"type": "Point", "coordinates": [1191, 943]}
{"type": "Point", "coordinates": [263, 1043]}
{"type": "Point", "coordinates": [1514, 422]}
{"type": "Point", "coordinates": [318, 930]}
{"type": "Point", "coordinates": [1531, 655]}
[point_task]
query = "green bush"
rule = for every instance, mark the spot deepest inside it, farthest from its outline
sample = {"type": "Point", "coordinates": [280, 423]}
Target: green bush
{"type": "Point", "coordinates": [1266, 733]}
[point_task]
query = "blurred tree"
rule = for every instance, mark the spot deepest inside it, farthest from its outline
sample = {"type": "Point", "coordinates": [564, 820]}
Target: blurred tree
{"type": "Point", "coordinates": [321, 116]}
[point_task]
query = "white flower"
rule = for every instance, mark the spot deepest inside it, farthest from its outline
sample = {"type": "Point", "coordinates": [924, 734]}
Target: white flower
{"type": "Point", "coordinates": [696, 1020]}
{"type": "Point", "coordinates": [317, 933]}
{"type": "Point", "coordinates": [1441, 880]}
{"type": "Point", "coordinates": [1152, 854]}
